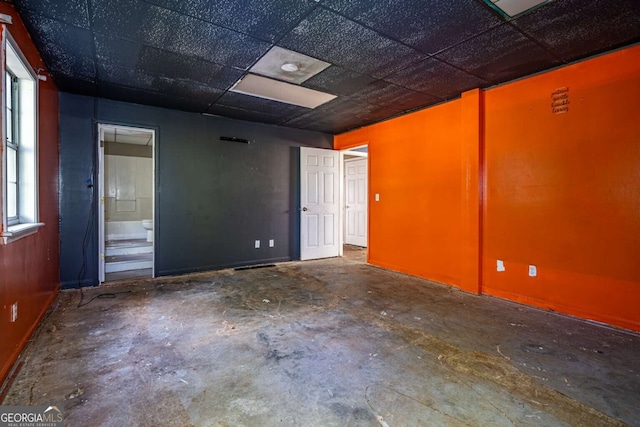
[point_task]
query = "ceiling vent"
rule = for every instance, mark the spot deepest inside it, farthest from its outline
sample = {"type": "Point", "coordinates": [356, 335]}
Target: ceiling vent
{"type": "Point", "coordinates": [287, 65]}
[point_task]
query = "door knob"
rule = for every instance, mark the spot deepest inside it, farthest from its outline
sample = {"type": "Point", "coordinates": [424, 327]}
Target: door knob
{"type": "Point", "coordinates": [304, 209]}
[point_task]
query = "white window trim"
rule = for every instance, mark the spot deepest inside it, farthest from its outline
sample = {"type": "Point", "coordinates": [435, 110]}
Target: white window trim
{"type": "Point", "coordinates": [15, 232]}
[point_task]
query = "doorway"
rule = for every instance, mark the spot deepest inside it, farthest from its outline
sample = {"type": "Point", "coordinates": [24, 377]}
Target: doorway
{"type": "Point", "coordinates": [126, 183]}
{"type": "Point", "coordinates": [356, 210]}
{"type": "Point", "coordinates": [333, 202]}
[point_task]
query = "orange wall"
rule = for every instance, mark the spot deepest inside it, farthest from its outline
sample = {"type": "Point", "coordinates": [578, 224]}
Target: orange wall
{"type": "Point", "coordinates": [29, 267]}
{"type": "Point", "coordinates": [415, 166]}
{"type": "Point", "coordinates": [563, 190]}
{"type": "Point", "coordinates": [497, 175]}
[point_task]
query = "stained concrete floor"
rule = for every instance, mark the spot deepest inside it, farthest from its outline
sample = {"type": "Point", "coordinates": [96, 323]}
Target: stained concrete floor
{"type": "Point", "coordinates": [323, 343]}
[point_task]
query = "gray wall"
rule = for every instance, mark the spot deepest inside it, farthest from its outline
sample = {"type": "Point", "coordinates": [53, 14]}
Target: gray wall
{"type": "Point", "coordinates": [213, 198]}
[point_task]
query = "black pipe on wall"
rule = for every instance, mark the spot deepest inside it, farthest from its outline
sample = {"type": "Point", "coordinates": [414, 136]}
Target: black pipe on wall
{"type": "Point", "coordinates": [213, 198]}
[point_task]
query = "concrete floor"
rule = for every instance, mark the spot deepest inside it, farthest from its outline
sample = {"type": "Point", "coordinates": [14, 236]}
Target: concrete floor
{"type": "Point", "coordinates": [323, 343]}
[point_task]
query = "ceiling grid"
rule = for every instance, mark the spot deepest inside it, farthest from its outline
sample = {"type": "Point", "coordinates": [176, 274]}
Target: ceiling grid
{"type": "Point", "coordinates": [386, 57]}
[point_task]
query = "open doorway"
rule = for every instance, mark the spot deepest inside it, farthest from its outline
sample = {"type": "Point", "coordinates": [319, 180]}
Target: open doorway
{"type": "Point", "coordinates": [356, 210]}
{"type": "Point", "coordinates": [126, 182]}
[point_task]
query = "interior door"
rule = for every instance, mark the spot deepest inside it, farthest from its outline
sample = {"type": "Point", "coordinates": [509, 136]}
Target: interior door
{"type": "Point", "coordinates": [356, 202]}
{"type": "Point", "coordinates": [319, 203]}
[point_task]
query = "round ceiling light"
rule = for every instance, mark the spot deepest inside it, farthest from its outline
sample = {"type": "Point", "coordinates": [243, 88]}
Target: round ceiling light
{"type": "Point", "coordinates": [289, 67]}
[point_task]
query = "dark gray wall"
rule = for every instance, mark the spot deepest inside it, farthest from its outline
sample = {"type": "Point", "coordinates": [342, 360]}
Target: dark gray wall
{"type": "Point", "coordinates": [213, 198]}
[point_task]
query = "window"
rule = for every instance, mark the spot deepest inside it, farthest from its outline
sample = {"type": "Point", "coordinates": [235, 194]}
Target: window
{"type": "Point", "coordinates": [19, 199]}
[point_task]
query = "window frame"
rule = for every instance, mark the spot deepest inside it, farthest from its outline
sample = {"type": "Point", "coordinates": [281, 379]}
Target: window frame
{"type": "Point", "coordinates": [15, 138]}
{"type": "Point", "coordinates": [25, 126]}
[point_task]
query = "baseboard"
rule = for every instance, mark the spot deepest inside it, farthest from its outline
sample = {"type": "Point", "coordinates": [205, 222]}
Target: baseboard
{"type": "Point", "coordinates": [75, 284]}
{"type": "Point", "coordinates": [179, 272]}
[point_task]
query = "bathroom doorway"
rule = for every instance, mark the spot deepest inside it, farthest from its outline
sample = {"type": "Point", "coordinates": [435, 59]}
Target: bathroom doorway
{"type": "Point", "coordinates": [126, 183]}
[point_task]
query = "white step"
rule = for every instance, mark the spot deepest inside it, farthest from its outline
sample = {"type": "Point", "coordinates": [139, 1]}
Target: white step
{"type": "Point", "coordinates": [126, 266]}
{"type": "Point", "coordinates": [128, 247]}
{"type": "Point", "coordinates": [128, 262]}
{"type": "Point", "coordinates": [128, 250]}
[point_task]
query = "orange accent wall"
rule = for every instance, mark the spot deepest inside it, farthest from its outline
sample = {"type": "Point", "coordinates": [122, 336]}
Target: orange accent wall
{"type": "Point", "coordinates": [563, 190]}
{"type": "Point", "coordinates": [29, 272]}
{"type": "Point", "coordinates": [415, 166]}
{"type": "Point", "coordinates": [497, 175]}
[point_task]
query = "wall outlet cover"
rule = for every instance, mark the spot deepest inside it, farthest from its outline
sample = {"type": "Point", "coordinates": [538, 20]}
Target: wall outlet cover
{"type": "Point", "coordinates": [533, 271]}
{"type": "Point", "coordinates": [257, 244]}
{"type": "Point", "coordinates": [272, 243]}
{"type": "Point", "coordinates": [14, 312]}
{"type": "Point", "coordinates": [377, 197]}
{"type": "Point", "coordinates": [500, 265]}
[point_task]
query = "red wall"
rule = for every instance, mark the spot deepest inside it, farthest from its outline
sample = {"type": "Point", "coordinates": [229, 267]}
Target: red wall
{"type": "Point", "coordinates": [29, 266]}
{"type": "Point", "coordinates": [498, 175]}
{"type": "Point", "coordinates": [563, 190]}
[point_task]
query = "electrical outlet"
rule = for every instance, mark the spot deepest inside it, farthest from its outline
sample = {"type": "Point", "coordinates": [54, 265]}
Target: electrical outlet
{"type": "Point", "coordinates": [14, 312]}
{"type": "Point", "coordinates": [377, 197]}
{"type": "Point", "coordinates": [500, 265]}
{"type": "Point", "coordinates": [272, 243]}
{"type": "Point", "coordinates": [533, 271]}
{"type": "Point", "coordinates": [257, 245]}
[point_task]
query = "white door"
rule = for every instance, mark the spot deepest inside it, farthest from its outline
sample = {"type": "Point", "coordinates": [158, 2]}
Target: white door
{"type": "Point", "coordinates": [356, 202]}
{"type": "Point", "coordinates": [319, 203]}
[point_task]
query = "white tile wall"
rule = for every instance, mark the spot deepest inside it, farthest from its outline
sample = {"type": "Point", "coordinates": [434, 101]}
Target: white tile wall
{"type": "Point", "coordinates": [129, 188]}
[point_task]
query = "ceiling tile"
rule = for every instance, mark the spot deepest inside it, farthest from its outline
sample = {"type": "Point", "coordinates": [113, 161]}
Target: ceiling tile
{"type": "Point", "coordinates": [74, 12]}
{"type": "Point", "coordinates": [174, 65]}
{"type": "Point", "coordinates": [114, 51]}
{"type": "Point", "coordinates": [120, 93]}
{"type": "Point", "coordinates": [108, 73]}
{"type": "Point", "coordinates": [240, 114]}
{"type": "Point", "coordinates": [186, 89]}
{"type": "Point", "coordinates": [67, 50]}
{"type": "Point", "coordinates": [499, 55]}
{"type": "Point", "coordinates": [387, 94]}
{"type": "Point", "coordinates": [338, 81]}
{"type": "Point", "coordinates": [73, 85]}
{"type": "Point", "coordinates": [334, 39]}
{"type": "Point", "coordinates": [334, 116]}
{"type": "Point", "coordinates": [266, 20]}
{"type": "Point", "coordinates": [578, 28]}
{"type": "Point", "coordinates": [427, 26]}
{"type": "Point", "coordinates": [436, 78]}
{"type": "Point", "coordinates": [169, 30]}
{"type": "Point", "coordinates": [120, 17]}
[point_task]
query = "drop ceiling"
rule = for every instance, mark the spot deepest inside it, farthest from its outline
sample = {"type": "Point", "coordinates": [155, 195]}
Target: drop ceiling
{"type": "Point", "coordinates": [387, 57]}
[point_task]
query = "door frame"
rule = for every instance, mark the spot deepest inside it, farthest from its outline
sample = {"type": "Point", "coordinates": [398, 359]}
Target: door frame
{"type": "Point", "coordinates": [101, 191]}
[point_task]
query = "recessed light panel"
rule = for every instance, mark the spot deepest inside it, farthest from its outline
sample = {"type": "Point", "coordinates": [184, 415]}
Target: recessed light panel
{"type": "Point", "coordinates": [512, 8]}
{"type": "Point", "coordinates": [275, 90]}
{"type": "Point", "coordinates": [287, 65]}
